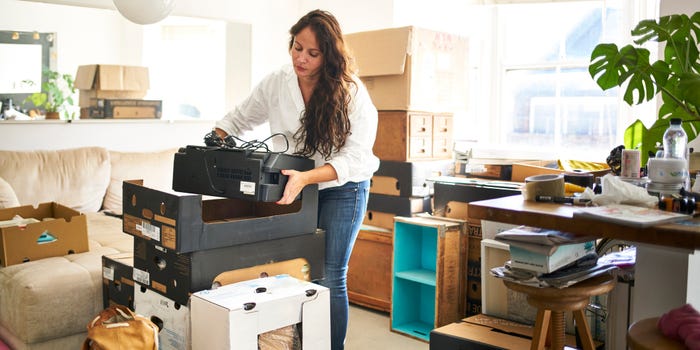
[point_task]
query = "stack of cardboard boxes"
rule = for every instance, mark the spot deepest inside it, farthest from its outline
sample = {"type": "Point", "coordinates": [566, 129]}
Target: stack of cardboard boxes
{"type": "Point", "coordinates": [114, 91]}
{"type": "Point", "coordinates": [417, 79]}
{"type": "Point", "coordinates": [184, 242]}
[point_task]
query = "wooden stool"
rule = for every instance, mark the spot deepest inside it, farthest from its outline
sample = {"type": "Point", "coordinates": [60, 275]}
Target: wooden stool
{"type": "Point", "coordinates": [551, 303]}
{"type": "Point", "coordinates": [645, 335]}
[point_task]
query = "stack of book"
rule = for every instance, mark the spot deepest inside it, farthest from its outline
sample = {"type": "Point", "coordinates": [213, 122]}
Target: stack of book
{"type": "Point", "coordinates": [549, 258]}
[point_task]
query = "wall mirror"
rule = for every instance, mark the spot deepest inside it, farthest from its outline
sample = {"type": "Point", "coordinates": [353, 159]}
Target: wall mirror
{"type": "Point", "coordinates": [23, 56]}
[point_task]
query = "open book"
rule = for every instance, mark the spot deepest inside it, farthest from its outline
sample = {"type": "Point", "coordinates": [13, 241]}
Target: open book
{"type": "Point", "coordinates": [630, 215]}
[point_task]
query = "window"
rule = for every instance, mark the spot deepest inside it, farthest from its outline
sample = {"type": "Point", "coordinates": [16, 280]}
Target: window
{"type": "Point", "coordinates": [546, 99]}
{"type": "Point", "coordinates": [187, 60]}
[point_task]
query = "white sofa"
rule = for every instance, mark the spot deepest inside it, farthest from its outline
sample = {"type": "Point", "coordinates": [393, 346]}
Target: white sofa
{"type": "Point", "coordinates": [47, 303]}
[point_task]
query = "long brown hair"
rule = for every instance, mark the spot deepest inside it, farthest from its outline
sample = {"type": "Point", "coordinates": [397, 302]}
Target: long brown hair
{"type": "Point", "coordinates": [325, 124]}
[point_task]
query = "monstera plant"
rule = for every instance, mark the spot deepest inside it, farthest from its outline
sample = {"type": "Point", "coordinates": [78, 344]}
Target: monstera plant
{"type": "Point", "coordinates": [676, 76]}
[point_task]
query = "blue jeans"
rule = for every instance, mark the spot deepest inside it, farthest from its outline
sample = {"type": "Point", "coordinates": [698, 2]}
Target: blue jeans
{"type": "Point", "coordinates": [340, 213]}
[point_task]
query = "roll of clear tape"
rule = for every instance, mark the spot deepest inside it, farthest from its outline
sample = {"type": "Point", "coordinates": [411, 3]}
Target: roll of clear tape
{"type": "Point", "coordinates": [543, 185]}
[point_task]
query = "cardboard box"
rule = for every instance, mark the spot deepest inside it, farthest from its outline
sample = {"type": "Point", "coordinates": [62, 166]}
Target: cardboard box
{"type": "Point", "coordinates": [543, 263]}
{"type": "Point", "coordinates": [411, 68]}
{"type": "Point", "coordinates": [449, 189]}
{"type": "Point", "coordinates": [99, 81]}
{"type": "Point", "coordinates": [57, 231]}
{"type": "Point", "coordinates": [408, 179]}
{"type": "Point", "coordinates": [117, 280]}
{"type": "Point", "coordinates": [123, 109]}
{"type": "Point", "coordinates": [185, 222]}
{"type": "Point", "coordinates": [232, 316]}
{"type": "Point", "coordinates": [484, 332]}
{"type": "Point", "coordinates": [481, 170]}
{"type": "Point", "coordinates": [403, 206]}
{"type": "Point", "coordinates": [381, 209]}
{"type": "Point", "coordinates": [178, 275]}
{"type": "Point", "coordinates": [172, 318]}
{"type": "Point", "coordinates": [523, 170]}
{"type": "Point", "coordinates": [298, 268]}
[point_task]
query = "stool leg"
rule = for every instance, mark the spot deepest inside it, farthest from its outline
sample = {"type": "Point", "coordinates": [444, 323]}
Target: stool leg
{"type": "Point", "coordinates": [583, 330]}
{"type": "Point", "coordinates": [558, 328]}
{"type": "Point", "coordinates": [539, 336]}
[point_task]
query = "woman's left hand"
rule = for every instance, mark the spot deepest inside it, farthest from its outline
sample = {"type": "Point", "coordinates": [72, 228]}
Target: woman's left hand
{"type": "Point", "coordinates": [295, 183]}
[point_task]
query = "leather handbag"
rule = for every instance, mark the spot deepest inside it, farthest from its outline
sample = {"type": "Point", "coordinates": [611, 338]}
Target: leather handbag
{"type": "Point", "coordinates": [119, 328]}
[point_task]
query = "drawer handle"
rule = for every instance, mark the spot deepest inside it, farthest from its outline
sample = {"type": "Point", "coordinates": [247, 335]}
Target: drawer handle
{"type": "Point", "coordinates": [422, 129]}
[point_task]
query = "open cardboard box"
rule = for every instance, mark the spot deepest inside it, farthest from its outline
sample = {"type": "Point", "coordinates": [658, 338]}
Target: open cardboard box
{"type": "Point", "coordinates": [411, 68]}
{"type": "Point", "coordinates": [59, 231]}
{"type": "Point", "coordinates": [103, 81]}
{"type": "Point", "coordinates": [525, 169]}
{"type": "Point", "coordinates": [486, 332]}
{"type": "Point", "coordinates": [186, 222]}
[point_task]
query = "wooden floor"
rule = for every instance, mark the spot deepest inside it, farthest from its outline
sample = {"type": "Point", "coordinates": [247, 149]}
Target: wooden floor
{"type": "Point", "coordinates": [370, 329]}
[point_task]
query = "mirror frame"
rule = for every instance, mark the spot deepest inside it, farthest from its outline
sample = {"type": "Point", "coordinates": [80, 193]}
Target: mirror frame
{"type": "Point", "coordinates": [47, 41]}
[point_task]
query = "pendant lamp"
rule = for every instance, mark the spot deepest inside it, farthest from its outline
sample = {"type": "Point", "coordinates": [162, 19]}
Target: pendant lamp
{"type": "Point", "coordinates": [144, 11]}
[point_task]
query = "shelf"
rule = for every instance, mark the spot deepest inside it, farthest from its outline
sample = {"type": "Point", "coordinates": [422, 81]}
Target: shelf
{"type": "Point", "coordinates": [416, 329]}
{"type": "Point", "coordinates": [420, 276]}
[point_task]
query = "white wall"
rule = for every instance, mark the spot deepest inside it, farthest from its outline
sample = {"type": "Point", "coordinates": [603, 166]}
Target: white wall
{"type": "Point", "coordinates": [91, 31]}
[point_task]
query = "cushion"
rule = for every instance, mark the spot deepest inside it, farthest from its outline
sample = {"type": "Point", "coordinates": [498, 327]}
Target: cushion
{"type": "Point", "coordinates": [54, 297]}
{"type": "Point", "coordinates": [8, 198]}
{"type": "Point", "coordinates": [155, 168]}
{"type": "Point", "coordinates": [76, 177]}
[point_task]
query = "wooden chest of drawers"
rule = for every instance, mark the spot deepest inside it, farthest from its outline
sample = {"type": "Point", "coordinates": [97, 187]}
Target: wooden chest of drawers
{"type": "Point", "coordinates": [409, 135]}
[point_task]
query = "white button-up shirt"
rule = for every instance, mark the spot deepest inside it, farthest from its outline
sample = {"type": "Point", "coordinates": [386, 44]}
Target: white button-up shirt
{"type": "Point", "coordinates": [277, 99]}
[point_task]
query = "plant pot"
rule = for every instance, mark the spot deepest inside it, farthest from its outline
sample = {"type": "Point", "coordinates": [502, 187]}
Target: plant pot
{"type": "Point", "coordinates": [53, 115]}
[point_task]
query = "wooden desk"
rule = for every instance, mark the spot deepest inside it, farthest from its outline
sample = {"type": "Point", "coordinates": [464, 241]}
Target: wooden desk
{"type": "Point", "coordinates": [667, 271]}
{"type": "Point", "coordinates": [515, 210]}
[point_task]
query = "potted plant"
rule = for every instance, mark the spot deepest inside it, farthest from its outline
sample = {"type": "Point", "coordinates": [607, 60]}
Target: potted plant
{"type": "Point", "coordinates": [676, 76]}
{"type": "Point", "coordinates": [57, 93]}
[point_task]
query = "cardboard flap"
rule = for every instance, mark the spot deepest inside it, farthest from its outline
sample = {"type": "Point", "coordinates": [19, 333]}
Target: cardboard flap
{"type": "Point", "coordinates": [381, 52]}
{"type": "Point", "coordinates": [136, 78]}
{"type": "Point", "coordinates": [107, 77]}
{"type": "Point", "coordinates": [110, 77]}
{"type": "Point", "coordinates": [85, 77]}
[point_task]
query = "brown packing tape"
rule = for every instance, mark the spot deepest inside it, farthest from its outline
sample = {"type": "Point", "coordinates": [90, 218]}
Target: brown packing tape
{"type": "Point", "coordinates": [543, 185]}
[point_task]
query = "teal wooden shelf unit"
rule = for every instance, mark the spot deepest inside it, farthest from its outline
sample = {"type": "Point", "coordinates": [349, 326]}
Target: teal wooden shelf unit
{"type": "Point", "coordinates": [428, 274]}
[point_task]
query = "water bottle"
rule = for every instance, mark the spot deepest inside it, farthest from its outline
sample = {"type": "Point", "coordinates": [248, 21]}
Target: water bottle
{"type": "Point", "coordinates": [676, 147]}
{"type": "Point", "coordinates": [675, 140]}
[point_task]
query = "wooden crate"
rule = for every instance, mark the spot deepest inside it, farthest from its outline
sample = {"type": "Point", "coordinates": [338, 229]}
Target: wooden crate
{"type": "Point", "coordinates": [369, 269]}
{"type": "Point", "coordinates": [409, 135]}
{"type": "Point", "coordinates": [428, 274]}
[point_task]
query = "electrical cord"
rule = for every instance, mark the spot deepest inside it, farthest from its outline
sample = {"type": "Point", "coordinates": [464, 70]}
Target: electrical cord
{"type": "Point", "coordinates": [212, 139]}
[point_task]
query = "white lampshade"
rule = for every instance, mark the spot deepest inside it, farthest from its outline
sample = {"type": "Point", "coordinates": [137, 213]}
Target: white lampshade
{"type": "Point", "coordinates": [144, 11]}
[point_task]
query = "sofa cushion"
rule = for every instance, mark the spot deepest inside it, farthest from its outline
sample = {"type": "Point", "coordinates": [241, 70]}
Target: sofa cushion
{"type": "Point", "coordinates": [8, 198]}
{"type": "Point", "coordinates": [55, 297]}
{"type": "Point", "coordinates": [76, 177]}
{"type": "Point", "coordinates": [154, 168]}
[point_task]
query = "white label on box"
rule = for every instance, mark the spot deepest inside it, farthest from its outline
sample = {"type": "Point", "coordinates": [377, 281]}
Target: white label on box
{"type": "Point", "coordinates": [141, 276]}
{"type": "Point", "coordinates": [148, 230]}
{"type": "Point", "coordinates": [108, 273]}
{"type": "Point", "coordinates": [248, 187]}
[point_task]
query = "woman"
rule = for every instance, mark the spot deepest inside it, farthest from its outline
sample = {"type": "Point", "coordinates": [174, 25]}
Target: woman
{"type": "Point", "coordinates": [327, 115]}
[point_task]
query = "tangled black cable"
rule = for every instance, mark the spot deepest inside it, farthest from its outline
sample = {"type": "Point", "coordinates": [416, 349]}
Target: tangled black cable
{"type": "Point", "coordinates": [212, 139]}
